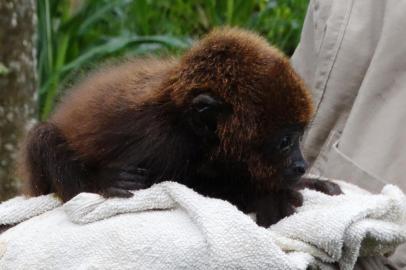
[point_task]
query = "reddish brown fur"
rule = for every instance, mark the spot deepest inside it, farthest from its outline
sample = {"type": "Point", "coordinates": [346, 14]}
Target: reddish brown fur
{"type": "Point", "coordinates": [259, 82]}
{"type": "Point", "coordinates": [96, 100]}
{"type": "Point", "coordinates": [261, 85]}
{"type": "Point", "coordinates": [100, 118]}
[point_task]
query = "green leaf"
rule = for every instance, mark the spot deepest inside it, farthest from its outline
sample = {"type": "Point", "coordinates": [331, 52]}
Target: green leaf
{"type": "Point", "coordinates": [116, 44]}
{"type": "Point", "coordinates": [4, 70]}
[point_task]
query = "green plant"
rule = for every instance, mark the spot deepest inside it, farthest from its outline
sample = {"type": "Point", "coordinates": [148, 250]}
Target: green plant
{"type": "Point", "coordinates": [76, 34]}
{"type": "Point", "coordinates": [3, 69]}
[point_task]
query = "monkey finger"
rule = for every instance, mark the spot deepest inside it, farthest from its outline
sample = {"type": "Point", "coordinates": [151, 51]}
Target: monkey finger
{"type": "Point", "coordinates": [295, 198]}
{"type": "Point", "coordinates": [141, 171]}
{"type": "Point", "coordinates": [131, 177]}
{"type": "Point", "coordinates": [116, 192]}
{"type": "Point", "coordinates": [324, 186]}
{"type": "Point", "coordinates": [287, 210]}
{"type": "Point", "coordinates": [129, 185]}
{"type": "Point", "coordinates": [136, 170]}
{"type": "Point", "coordinates": [328, 187]}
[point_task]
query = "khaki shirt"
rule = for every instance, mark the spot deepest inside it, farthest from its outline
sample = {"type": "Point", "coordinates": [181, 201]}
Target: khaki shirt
{"type": "Point", "coordinates": [352, 55]}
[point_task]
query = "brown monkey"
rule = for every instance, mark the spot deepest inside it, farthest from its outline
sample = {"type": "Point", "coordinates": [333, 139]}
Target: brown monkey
{"type": "Point", "coordinates": [225, 119]}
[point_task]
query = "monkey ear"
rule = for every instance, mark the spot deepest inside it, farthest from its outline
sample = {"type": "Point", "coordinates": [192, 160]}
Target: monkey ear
{"type": "Point", "coordinates": [204, 113]}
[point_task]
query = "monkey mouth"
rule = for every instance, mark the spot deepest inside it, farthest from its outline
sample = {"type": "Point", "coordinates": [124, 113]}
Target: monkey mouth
{"type": "Point", "coordinates": [288, 181]}
{"type": "Point", "coordinates": [292, 180]}
{"type": "Point", "coordinates": [278, 182]}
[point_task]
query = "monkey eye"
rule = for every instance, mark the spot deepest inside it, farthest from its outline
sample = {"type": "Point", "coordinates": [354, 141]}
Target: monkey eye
{"type": "Point", "coordinates": [285, 144]}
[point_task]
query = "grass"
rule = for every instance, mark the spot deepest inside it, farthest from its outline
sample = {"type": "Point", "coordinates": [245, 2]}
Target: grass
{"type": "Point", "coordinates": [75, 35]}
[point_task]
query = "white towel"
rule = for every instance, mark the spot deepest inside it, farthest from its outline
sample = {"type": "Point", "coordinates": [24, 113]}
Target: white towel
{"type": "Point", "coordinates": [169, 226]}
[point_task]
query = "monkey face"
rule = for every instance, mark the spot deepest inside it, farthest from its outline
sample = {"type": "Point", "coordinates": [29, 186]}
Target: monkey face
{"type": "Point", "coordinates": [282, 152]}
{"type": "Point", "coordinates": [246, 103]}
{"type": "Point", "coordinates": [271, 153]}
{"type": "Point", "coordinates": [257, 123]}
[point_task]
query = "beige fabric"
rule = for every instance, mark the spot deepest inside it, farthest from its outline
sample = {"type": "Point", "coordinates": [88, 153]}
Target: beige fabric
{"type": "Point", "coordinates": [399, 257]}
{"type": "Point", "coordinates": [374, 263]}
{"type": "Point", "coordinates": [352, 55]}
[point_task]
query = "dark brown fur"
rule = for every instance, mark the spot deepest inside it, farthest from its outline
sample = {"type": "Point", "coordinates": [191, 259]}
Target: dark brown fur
{"type": "Point", "coordinates": [135, 115]}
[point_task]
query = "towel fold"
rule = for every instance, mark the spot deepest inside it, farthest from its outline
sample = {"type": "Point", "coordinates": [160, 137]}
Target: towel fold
{"type": "Point", "coordinates": [169, 226]}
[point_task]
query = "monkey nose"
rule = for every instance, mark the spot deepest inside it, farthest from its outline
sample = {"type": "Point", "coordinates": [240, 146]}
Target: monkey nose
{"type": "Point", "coordinates": [299, 167]}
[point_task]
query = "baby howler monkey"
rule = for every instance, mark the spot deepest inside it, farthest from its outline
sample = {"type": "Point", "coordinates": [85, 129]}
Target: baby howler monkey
{"type": "Point", "coordinates": [225, 119]}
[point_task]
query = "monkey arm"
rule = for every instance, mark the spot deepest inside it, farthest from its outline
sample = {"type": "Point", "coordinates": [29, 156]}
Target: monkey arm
{"type": "Point", "coordinates": [324, 186]}
{"type": "Point", "coordinates": [280, 204]}
{"type": "Point", "coordinates": [277, 205]}
{"type": "Point", "coordinates": [50, 165]}
{"type": "Point", "coordinates": [118, 181]}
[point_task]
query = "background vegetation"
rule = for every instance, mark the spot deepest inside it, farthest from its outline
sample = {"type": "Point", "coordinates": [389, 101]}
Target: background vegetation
{"type": "Point", "coordinates": [74, 35]}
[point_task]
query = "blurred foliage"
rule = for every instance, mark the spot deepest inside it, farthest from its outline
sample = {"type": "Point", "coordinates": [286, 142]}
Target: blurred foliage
{"type": "Point", "coordinates": [75, 34]}
{"type": "Point", "coordinates": [3, 69]}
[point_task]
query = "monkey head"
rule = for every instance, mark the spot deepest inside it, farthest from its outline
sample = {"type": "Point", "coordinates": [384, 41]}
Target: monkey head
{"type": "Point", "coordinates": [243, 97]}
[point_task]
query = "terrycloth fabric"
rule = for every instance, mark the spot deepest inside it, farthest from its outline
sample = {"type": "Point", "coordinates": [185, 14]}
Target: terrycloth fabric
{"type": "Point", "coordinates": [341, 228]}
{"type": "Point", "coordinates": [171, 227]}
{"type": "Point", "coordinates": [19, 209]}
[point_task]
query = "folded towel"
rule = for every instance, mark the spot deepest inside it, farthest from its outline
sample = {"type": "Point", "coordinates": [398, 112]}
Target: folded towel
{"type": "Point", "coordinates": [342, 228]}
{"type": "Point", "coordinates": [169, 226]}
{"type": "Point", "coordinates": [20, 208]}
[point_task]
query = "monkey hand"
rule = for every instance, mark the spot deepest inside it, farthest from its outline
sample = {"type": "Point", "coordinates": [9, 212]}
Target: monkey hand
{"type": "Point", "coordinates": [324, 186]}
{"type": "Point", "coordinates": [276, 206]}
{"type": "Point", "coordinates": [117, 182]}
